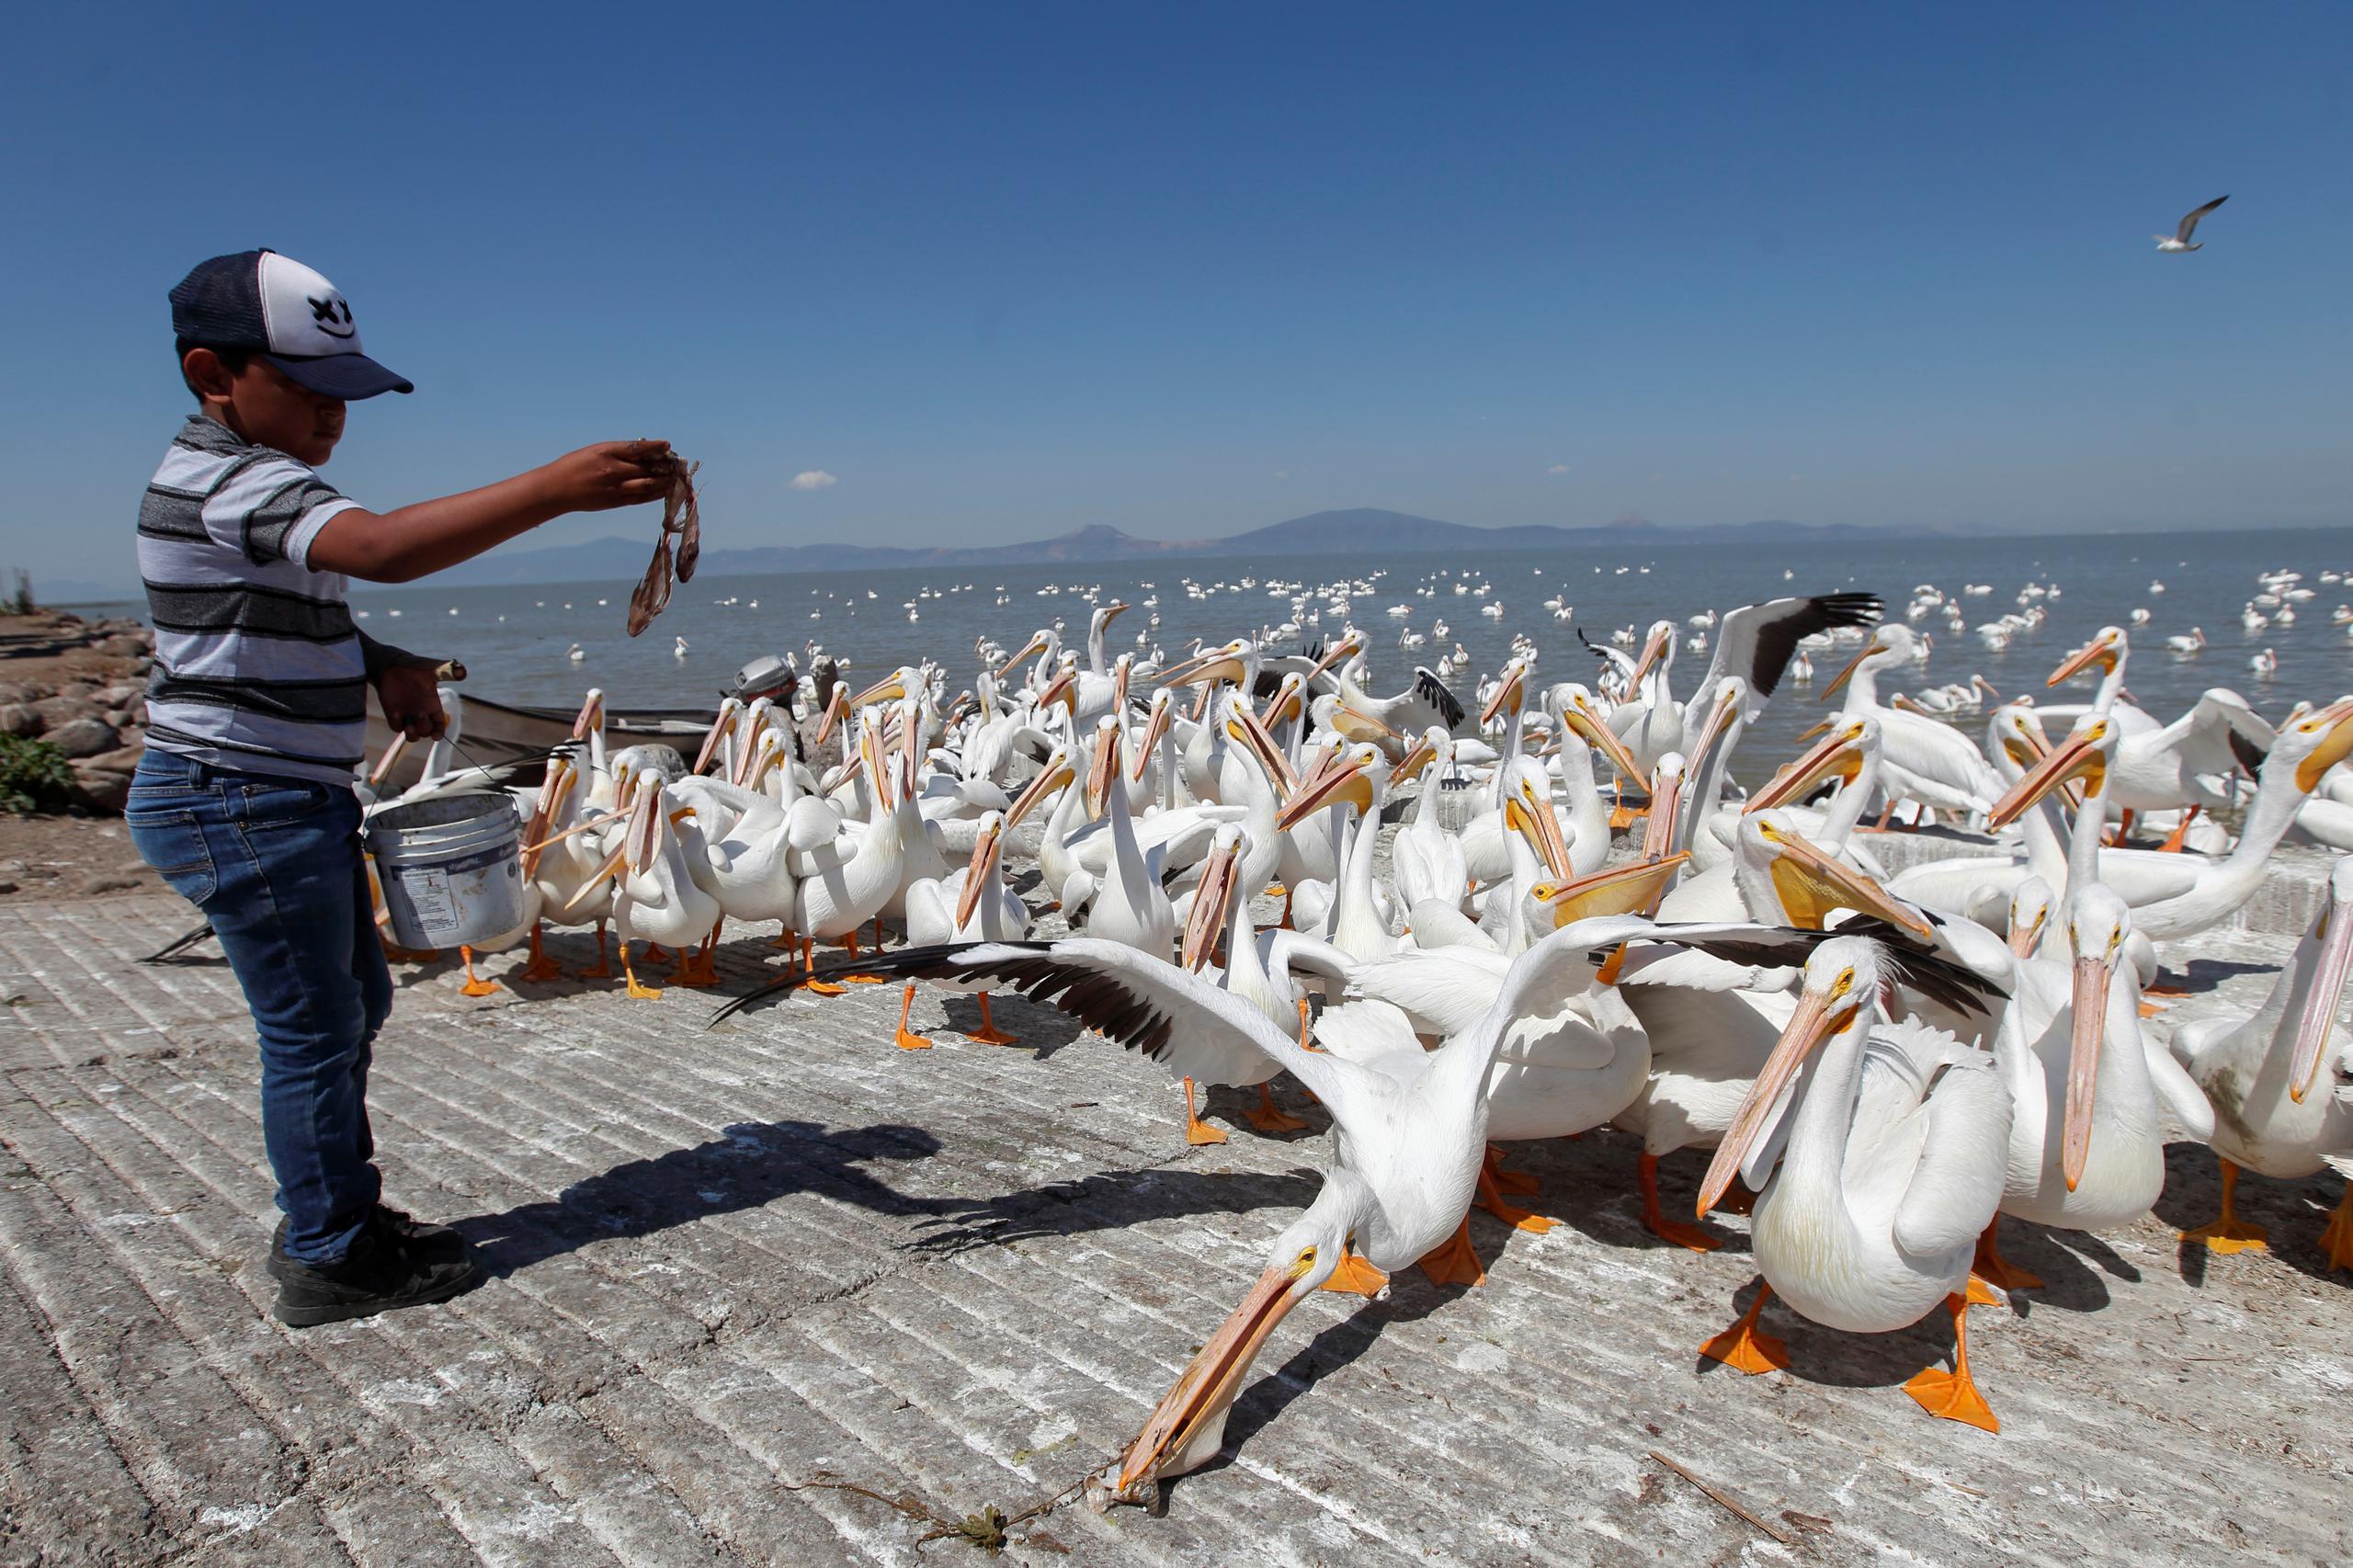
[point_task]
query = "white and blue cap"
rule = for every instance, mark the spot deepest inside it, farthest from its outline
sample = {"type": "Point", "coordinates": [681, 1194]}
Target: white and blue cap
{"type": "Point", "coordinates": [274, 306]}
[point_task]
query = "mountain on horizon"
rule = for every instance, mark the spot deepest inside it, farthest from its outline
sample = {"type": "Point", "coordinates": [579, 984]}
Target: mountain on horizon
{"type": "Point", "coordinates": [1359, 528]}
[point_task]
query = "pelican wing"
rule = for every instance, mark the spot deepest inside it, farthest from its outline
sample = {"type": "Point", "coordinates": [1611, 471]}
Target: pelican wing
{"type": "Point", "coordinates": [1433, 691]}
{"type": "Point", "coordinates": [1957, 1185]}
{"type": "Point", "coordinates": [1909, 963]}
{"type": "Point", "coordinates": [2189, 221]}
{"type": "Point", "coordinates": [1444, 990]}
{"type": "Point", "coordinates": [1143, 1003]}
{"type": "Point", "coordinates": [1757, 641]}
{"type": "Point", "coordinates": [1608, 657]}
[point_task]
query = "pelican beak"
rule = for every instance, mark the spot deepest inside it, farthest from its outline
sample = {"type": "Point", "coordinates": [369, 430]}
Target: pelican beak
{"type": "Point", "coordinates": [1819, 1016]}
{"type": "Point", "coordinates": [890, 689]}
{"type": "Point", "coordinates": [1356, 725]}
{"type": "Point", "coordinates": [1813, 885]}
{"type": "Point", "coordinates": [2083, 1064]}
{"type": "Point", "coordinates": [1113, 611]}
{"type": "Point", "coordinates": [1345, 649]}
{"type": "Point", "coordinates": [910, 752]}
{"type": "Point", "coordinates": [1719, 719]}
{"type": "Point", "coordinates": [1208, 917]}
{"type": "Point", "coordinates": [1285, 704]}
{"type": "Point", "coordinates": [869, 757]}
{"type": "Point", "coordinates": [1187, 1427]}
{"type": "Point", "coordinates": [1104, 771]}
{"type": "Point", "coordinates": [1668, 795]}
{"type": "Point", "coordinates": [1531, 817]}
{"type": "Point", "coordinates": [1417, 757]}
{"type": "Point", "coordinates": [1244, 726]}
{"type": "Point", "coordinates": [1063, 689]}
{"type": "Point", "coordinates": [1341, 777]}
{"type": "Point", "coordinates": [1030, 650]}
{"type": "Point", "coordinates": [2023, 747]}
{"type": "Point", "coordinates": [2337, 720]}
{"type": "Point", "coordinates": [646, 824]}
{"type": "Point", "coordinates": [392, 755]}
{"type": "Point", "coordinates": [719, 726]}
{"type": "Point", "coordinates": [1580, 717]}
{"type": "Point", "coordinates": [1219, 664]}
{"type": "Point", "coordinates": [2022, 937]}
{"type": "Point", "coordinates": [1155, 729]}
{"type": "Point", "coordinates": [1507, 695]}
{"type": "Point", "coordinates": [2336, 934]}
{"type": "Point", "coordinates": [1838, 757]}
{"type": "Point", "coordinates": [591, 714]}
{"type": "Point", "coordinates": [2077, 756]}
{"type": "Point", "coordinates": [1119, 685]}
{"type": "Point", "coordinates": [836, 710]}
{"type": "Point", "coordinates": [1056, 775]}
{"type": "Point", "coordinates": [1843, 677]}
{"type": "Point", "coordinates": [1621, 889]}
{"type": "Point", "coordinates": [984, 853]}
{"type": "Point", "coordinates": [552, 790]}
{"type": "Point", "coordinates": [2100, 651]}
{"type": "Point", "coordinates": [1655, 648]}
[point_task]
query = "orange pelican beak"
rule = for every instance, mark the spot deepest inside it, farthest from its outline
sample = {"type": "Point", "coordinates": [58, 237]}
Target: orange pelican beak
{"type": "Point", "coordinates": [1219, 664]}
{"type": "Point", "coordinates": [1719, 719]}
{"type": "Point", "coordinates": [1120, 684]}
{"type": "Point", "coordinates": [1030, 650]}
{"type": "Point", "coordinates": [1621, 889]}
{"type": "Point", "coordinates": [1813, 886]}
{"type": "Point", "coordinates": [1667, 797]}
{"type": "Point", "coordinates": [2335, 932]}
{"type": "Point", "coordinates": [1063, 689]}
{"type": "Point", "coordinates": [984, 853]}
{"type": "Point", "coordinates": [1104, 769]}
{"type": "Point", "coordinates": [2090, 999]}
{"type": "Point", "coordinates": [1819, 1016]}
{"type": "Point", "coordinates": [2337, 719]}
{"type": "Point", "coordinates": [591, 714]}
{"type": "Point", "coordinates": [1188, 1425]}
{"type": "Point", "coordinates": [2100, 651]}
{"type": "Point", "coordinates": [1155, 729]}
{"type": "Point", "coordinates": [2023, 937]}
{"type": "Point", "coordinates": [1341, 777]}
{"type": "Point", "coordinates": [1055, 774]}
{"type": "Point", "coordinates": [1208, 917]}
{"type": "Point", "coordinates": [1285, 704]}
{"type": "Point", "coordinates": [719, 726]}
{"type": "Point", "coordinates": [1837, 756]}
{"type": "Point", "coordinates": [1244, 726]}
{"type": "Point", "coordinates": [890, 689]}
{"type": "Point", "coordinates": [1655, 648]}
{"type": "Point", "coordinates": [1420, 754]}
{"type": "Point", "coordinates": [1347, 648]}
{"type": "Point", "coordinates": [836, 709]}
{"type": "Point", "coordinates": [1531, 817]}
{"type": "Point", "coordinates": [392, 755]}
{"type": "Point", "coordinates": [646, 824]}
{"type": "Point", "coordinates": [1843, 677]}
{"type": "Point", "coordinates": [1580, 717]}
{"type": "Point", "coordinates": [1507, 695]}
{"type": "Point", "coordinates": [1356, 725]}
{"type": "Point", "coordinates": [2079, 756]}
{"type": "Point", "coordinates": [552, 788]}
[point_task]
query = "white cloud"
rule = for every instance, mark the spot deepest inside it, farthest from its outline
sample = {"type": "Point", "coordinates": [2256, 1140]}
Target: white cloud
{"type": "Point", "coordinates": [1558, 469]}
{"type": "Point", "coordinates": [815, 479]}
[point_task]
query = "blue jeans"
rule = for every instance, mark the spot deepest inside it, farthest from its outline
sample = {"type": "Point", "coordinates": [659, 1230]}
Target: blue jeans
{"type": "Point", "coordinates": [274, 865]}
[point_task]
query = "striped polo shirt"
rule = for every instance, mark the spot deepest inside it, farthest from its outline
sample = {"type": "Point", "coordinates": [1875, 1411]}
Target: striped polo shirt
{"type": "Point", "coordinates": [258, 668]}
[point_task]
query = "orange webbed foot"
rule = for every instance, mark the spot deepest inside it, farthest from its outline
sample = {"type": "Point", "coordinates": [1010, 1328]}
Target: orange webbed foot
{"type": "Point", "coordinates": [2337, 1239]}
{"type": "Point", "coordinates": [1455, 1263]}
{"type": "Point", "coordinates": [2228, 1232]}
{"type": "Point", "coordinates": [1953, 1396]}
{"type": "Point", "coordinates": [1742, 1348]}
{"type": "Point", "coordinates": [1270, 1117]}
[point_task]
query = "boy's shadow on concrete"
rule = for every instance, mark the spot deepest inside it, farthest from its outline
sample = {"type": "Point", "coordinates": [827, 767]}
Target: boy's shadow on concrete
{"type": "Point", "coordinates": [751, 1165]}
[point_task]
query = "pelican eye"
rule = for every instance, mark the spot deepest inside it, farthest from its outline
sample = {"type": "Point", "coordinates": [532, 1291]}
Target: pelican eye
{"type": "Point", "coordinates": [1307, 1257]}
{"type": "Point", "coordinates": [2115, 940]}
{"type": "Point", "coordinates": [1846, 982]}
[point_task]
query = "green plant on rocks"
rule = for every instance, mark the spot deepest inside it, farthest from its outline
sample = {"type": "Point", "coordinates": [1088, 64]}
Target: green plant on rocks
{"type": "Point", "coordinates": [34, 775]}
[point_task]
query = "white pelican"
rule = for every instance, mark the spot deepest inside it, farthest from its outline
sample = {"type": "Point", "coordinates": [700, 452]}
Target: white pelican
{"type": "Point", "coordinates": [1929, 763]}
{"type": "Point", "coordinates": [2283, 1091]}
{"type": "Point", "coordinates": [2086, 1149]}
{"type": "Point", "coordinates": [1129, 906]}
{"type": "Point", "coordinates": [1891, 1156]}
{"type": "Point", "coordinates": [973, 905]}
{"type": "Point", "coordinates": [1409, 1137]}
{"type": "Point", "coordinates": [847, 883]}
{"type": "Point", "coordinates": [655, 894]}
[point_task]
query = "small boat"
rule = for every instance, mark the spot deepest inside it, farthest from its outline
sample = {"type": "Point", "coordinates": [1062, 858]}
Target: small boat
{"type": "Point", "coordinates": [494, 733]}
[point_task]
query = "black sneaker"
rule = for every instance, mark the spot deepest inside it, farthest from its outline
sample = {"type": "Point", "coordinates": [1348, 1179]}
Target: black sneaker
{"type": "Point", "coordinates": [436, 1243]}
{"type": "Point", "coordinates": [383, 1271]}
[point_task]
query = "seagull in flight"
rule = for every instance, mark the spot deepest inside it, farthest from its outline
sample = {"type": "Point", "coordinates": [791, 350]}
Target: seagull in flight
{"type": "Point", "coordinates": [2180, 240]}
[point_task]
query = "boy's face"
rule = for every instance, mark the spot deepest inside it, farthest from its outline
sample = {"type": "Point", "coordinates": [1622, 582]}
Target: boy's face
{"type": "Point", "coordinates": [267, 406]}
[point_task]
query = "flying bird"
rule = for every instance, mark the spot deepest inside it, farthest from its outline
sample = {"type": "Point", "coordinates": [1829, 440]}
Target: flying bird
{"type": "Point", "coordinates": [2180, 240]}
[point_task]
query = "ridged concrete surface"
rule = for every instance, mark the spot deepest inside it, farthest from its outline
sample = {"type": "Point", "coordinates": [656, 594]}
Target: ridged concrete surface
{"type": "Point", "coordinates": [732, 1263]}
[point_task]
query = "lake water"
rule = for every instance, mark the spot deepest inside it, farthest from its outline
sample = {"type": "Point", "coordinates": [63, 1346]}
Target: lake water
{"type": "Point", "coordinates": [515, 640]}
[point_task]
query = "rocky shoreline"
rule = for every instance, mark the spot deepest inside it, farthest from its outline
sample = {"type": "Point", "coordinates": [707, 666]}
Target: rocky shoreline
{"type": "Point", "coordinates": [81, 686]}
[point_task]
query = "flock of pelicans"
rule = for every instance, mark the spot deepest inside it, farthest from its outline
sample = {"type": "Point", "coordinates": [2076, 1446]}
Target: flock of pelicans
{"type": "Point", "coordinates": [1883, 1065]}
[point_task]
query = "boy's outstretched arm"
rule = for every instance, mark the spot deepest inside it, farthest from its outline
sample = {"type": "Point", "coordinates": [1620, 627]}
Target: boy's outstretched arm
{"type": "Point", "coordinates": [412, 542]}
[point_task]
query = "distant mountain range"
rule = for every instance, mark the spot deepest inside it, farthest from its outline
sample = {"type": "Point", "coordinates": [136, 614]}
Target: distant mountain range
{"type": "Point", "coordinates": [1358, 529]}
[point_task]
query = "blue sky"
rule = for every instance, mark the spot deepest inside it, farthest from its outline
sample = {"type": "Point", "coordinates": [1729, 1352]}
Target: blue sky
{"type": "Point", "coordinates": [1005, 271]}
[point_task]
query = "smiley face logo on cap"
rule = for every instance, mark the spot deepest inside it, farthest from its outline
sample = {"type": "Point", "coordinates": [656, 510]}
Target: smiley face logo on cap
{"type": "Point", "coordinates": [332, 315]}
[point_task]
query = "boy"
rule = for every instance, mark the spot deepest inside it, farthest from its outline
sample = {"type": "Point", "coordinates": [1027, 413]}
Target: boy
{"type": "Point", "coordinates": [255, 711]}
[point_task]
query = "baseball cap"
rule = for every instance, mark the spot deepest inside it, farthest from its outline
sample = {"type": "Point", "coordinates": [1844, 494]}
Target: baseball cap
{"type": "Point", "coordinates": [274, 306]}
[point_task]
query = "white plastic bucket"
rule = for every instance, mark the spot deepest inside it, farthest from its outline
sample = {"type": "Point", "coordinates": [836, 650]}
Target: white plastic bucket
{"type": "Point", "coordinates": [450, 866]}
